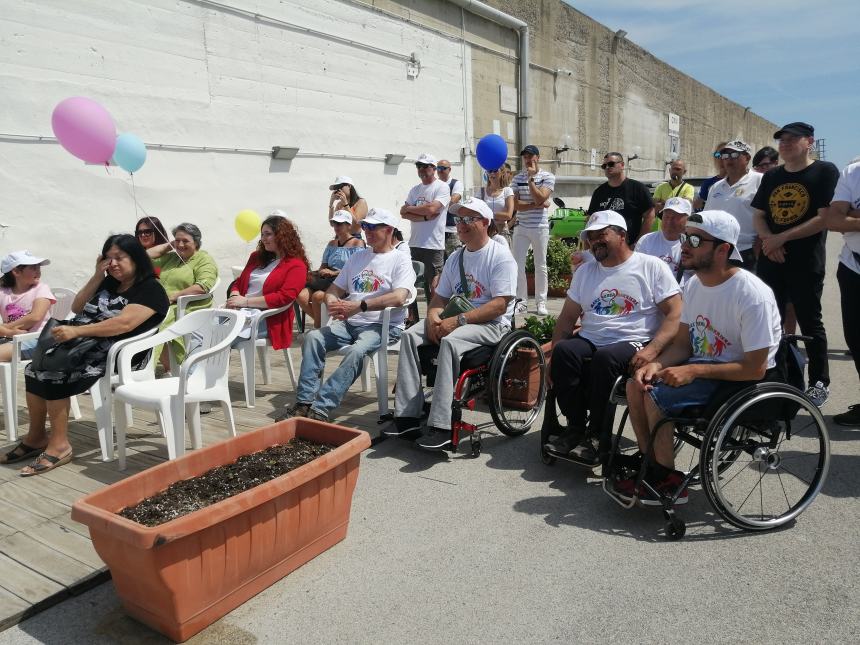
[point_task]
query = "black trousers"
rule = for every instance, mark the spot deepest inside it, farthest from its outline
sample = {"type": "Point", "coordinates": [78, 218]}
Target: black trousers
{"type": "Point", "coordinates": [582, 380]}
{"type": "Point", "coordinates": [803, 288]}
{"type": "Point", "coordinates": [749, 259]}
{"type": "Point", "coordinates": [849, 289]}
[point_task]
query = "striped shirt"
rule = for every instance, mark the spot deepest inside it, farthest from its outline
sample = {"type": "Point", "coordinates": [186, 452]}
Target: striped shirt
{"type": "Point", "coordinates": [536, 217]}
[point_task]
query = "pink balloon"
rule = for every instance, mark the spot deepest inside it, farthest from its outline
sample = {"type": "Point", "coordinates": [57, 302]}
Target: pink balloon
{"type": "Point", "coordinates": [84, 128]}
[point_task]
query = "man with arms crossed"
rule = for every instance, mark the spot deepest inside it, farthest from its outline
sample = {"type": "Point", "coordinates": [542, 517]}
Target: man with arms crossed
{"type": "Point", "coordinates": [626, 196]}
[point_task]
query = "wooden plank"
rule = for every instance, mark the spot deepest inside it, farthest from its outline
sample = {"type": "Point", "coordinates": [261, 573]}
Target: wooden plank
{"type": "Point", "coordinates": [48, 489]}
{"type": "Point", "coordinates": [66, 542]}
{"type": "Point", "coordinates": [22, 495]}
{"type": "Point", "coordinates": [40, 557]}
{"type": "Point", "coordinates": [11, 605]}
{"type": "Point", "coordinates": [66, 521]}
{"type": "Point", "coordinates": [19, 519]}
{"type": "Point", "coordinates": [25, 583]}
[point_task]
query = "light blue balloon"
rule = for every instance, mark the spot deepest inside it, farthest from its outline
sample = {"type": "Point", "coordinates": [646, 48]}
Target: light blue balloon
{"type": "Point", "coordinates": [130, 153]}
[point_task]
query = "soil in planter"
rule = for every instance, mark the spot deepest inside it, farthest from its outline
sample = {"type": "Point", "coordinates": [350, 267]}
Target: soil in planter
{"type": "Point", "coordinates": [246, 472]}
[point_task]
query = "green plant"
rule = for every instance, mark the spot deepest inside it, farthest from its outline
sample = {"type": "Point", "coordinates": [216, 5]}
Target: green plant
{"type": "Point", "coordinates": [540, 328]}
{"type": "Point", "coordinates": [557, 263]}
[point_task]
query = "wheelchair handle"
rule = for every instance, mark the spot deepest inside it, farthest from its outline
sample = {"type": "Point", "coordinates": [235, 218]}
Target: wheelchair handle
{"type": "Point", "coordinates": [795, 337]}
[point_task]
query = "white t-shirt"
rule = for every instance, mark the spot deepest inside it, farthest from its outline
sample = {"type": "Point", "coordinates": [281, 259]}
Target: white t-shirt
{"type": "Point", "coordinates": [456, 190]}
{"type": "Point", "coordinates": [740, 315]}
{"type": "Point", "coordinates": [500, 239]}
{"type": "Point", "coordinates": [670, 252]}
{"type": "Point", "coordinates": [258, 278]}
{"type": "Point", "coordinates": [403, 247]}
{"type": "Point", "coordinates": [497, 203]}
{"type": "Point", "coordinates": [848, 190]}
{"type": "Point", "coordinates": [620, 303]}
{"type": "Point", "coordinates": [490, 272]}
{"type": "Point", "coordinates": [737, 199]}
{"type": "Point", "coordinates": [367, 274]}
{"type": "Point", "coordinates": [536, 217]}
{"type": "Point", "coordinates": [430, 234]}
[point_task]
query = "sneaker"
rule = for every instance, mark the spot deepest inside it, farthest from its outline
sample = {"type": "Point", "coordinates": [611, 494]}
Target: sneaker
{"type": "Point", "coordinates": [850, 419]}
{"type": "Point", "coordinates": [561, 445]}
{"type": "Point", "coordinates": [405, 427]}
{"type": "Point", "coordinates": [521, 308]}
{"type": "Point", "coordinates": [626, 489]}
{"type": "Point", "coordinates": [294, 410]}
{"type": "Point", "coordinates": [542, 310]}
{"type": "Point", "coordinates": [818, 393]}
{"type": "Point", "coordinates": [586, 452]}
{"type": "Point", "coordinates": [436, 439]}
{"type": "Point", "coordinates": [317, 415]}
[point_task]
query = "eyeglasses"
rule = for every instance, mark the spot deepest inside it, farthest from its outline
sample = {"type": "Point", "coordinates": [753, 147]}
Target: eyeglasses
{"type": "Point", "coordinates": [467, 219]}
{"type": "Point", "coordinates": [421, 166]}
{"type": "Point", "coordinates": [443, 167]}
{"type": "Point", "coordinates": [729, 154]}
{"type": "Point", "coordinates": [365, 226]}
{"type": "Point", "coordinates": [695, 241]}
{"type": "Point", "coordinates": [144, 232]}
{"type": "Point", "coordinates": [608, 164]}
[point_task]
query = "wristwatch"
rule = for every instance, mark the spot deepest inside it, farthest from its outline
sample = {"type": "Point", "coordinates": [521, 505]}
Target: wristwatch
{"type": "Point", "coordinates": [461, 320]}
{"type": "Point", "coordinates": [363, 305]}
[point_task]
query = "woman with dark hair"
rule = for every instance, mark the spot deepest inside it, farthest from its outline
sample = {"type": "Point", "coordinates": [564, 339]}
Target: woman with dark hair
{"type": "Point", "coordinates": [120, 300]}
{"type": "Point", "coordinates": [345, 196]}
{"type": "Point", "coordinates": [765, 159]}
{"type": "Point", "coordinates": [273, 277]}
{"type": "Point", "coordinates": [150, 232]}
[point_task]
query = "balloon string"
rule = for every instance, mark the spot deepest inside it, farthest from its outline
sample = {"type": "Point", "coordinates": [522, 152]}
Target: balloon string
{"type": "Point", "coordinates": [134, 196]}
{"type": "Point", "coordinates": [147, 215]}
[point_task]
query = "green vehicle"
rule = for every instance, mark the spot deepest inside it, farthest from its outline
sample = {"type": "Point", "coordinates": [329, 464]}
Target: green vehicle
{"type": "Point", "coordinates": [566, 223]}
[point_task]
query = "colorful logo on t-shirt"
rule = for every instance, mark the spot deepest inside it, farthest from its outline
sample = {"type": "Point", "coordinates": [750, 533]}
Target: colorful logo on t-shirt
{"type": "Point", "coordinates": [707, 341]}
{"type": "Point", "coordinates": [613, 303]}
{"type": "Point", "coordinates": [14, 311]}
{"type": "Point", "coordinates": [788, 203]}
{"type": "Point", "coordinates": [668, 259]}
{"type": "Point", "coordinates": [474, 288]}
{"type": "Point", "coordinates": [366, 282]}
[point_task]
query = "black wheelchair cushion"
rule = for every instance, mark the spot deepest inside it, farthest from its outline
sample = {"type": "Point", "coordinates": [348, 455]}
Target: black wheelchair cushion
{"type": "Point", "coordinates": [477, 357]}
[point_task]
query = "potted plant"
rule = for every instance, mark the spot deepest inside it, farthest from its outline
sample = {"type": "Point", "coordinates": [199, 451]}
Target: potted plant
{"type": "Point", "coordinates": [180, 576]}
{"type": "Point", "coordinates": [526, 367]}
{"type": "Point", "coordinates": [557, 265]}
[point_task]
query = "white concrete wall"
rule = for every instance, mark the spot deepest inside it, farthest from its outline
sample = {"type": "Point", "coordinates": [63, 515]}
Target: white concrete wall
{"type": "Point", "coordinates": [187, 73]}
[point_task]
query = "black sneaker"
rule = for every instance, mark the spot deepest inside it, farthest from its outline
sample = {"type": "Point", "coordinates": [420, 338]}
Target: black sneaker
{"type": "Point", "coordinates": [562, 444]}
{"type": "Point", "coordinates": [818, 393]}
{"type": "Point", "coordinates": [586, 453]}
{"type": "Point", "coordinates": [626, 489]}
{"type": "Point", "coordinates": [294, 410]}
{"type": "Point", "coordinates": [404, 427]}
{"type": "Point", "coordinates": [850, 419]}
{"type": "Point", "coordinates": [436, 439]}
{"type": "Point", "coordinates": [317, 415]}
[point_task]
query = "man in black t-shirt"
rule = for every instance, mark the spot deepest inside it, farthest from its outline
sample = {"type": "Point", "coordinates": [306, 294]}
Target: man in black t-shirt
{"type": "Point", "coordinates": [623, 195]}
{"type": "Point", "coordinates": [793, 241]}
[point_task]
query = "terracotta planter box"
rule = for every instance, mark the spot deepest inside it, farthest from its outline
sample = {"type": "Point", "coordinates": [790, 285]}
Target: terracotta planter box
{"type": "Point", "coordinates": [554, 293]}
{"type": "Point", "coordinates": [525, 370]}
{"type": "Point", "coordinates": [183, 575]}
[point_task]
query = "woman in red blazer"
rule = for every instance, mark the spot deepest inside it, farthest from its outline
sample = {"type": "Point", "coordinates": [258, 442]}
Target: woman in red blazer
{"type": "Point", "coordinates": [273, 277]}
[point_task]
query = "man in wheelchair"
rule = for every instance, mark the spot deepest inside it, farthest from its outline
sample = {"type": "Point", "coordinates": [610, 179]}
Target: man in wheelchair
{"type": "Point", "coordinates": [625, 299]}
{"type": "Point", "coordinates": [472, 306]}
{"type": "Point", "coordinates": [727, 340]}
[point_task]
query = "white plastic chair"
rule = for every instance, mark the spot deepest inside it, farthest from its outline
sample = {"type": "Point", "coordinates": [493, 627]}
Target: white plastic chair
{"type": "Point", "coordinates": [61, 310]}
{"type": "Point", "coordinates": [173, 397]}
{"type": "Point", "coordinates": [182, 302]}
{"type": "Point", "coordinates": [247, 349]}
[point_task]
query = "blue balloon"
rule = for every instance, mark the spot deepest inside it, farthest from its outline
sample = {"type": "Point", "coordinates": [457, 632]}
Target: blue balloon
{"type": "Point", "coordinates": [492, 152]}
{"type": "Point", "coordinates": [130, 153]}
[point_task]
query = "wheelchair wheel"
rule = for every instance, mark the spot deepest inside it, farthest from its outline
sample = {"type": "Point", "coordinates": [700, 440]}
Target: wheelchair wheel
{"type": "Point", "coordinates": [517, 382]}
{"type": "Point", "coordinates": [760, 471]}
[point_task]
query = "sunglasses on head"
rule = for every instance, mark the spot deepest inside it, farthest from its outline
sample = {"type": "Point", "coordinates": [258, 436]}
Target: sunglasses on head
{"type": "Point", "coordinates": [729, 154]}
{"type": "Point", "coordinates": [608, 164]}
{"type": "Point", "coordinates": [421, 166]}
{"type": "Point", "coordinates": [371, 227]}
{"type": "Point", "coordinates": [144, 232]}
{"type": "Point", "coordinates": [695, 241]}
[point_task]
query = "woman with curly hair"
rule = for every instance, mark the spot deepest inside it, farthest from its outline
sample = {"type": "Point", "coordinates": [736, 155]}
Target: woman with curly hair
{"type": "Point", "coordinates": [274, 275]}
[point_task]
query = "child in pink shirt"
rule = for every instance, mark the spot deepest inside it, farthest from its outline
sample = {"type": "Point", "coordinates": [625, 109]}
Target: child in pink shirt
{"type": "Point", "coordinates": [25, 302]}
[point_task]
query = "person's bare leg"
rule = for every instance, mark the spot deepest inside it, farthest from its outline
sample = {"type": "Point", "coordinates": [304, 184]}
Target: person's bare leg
{"type": "Point", "coordinates": [304, 299]}
{"type": "Point", "coordinates": [663, 452]}
{"type": "Point", "coordinates": [37, 407]}
{"type": "Point", "coordinates": [58, 443]}
{"type": "Point", "coordinates": [6, 352]}
{"type": "Point", "coordinates": [636, 411]}
{"type": "Point", "coordinates": [316, 304]}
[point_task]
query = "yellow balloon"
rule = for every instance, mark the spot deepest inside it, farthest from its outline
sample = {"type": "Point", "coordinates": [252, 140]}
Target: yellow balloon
{"type": "Point", "coordinates": [248, 224]}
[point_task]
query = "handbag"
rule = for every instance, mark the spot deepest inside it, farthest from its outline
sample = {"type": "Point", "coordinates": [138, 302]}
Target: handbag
{"type": "Point", "coordinates": [458, 304]}
{"type": "Point", "coordinates": [51, 356]}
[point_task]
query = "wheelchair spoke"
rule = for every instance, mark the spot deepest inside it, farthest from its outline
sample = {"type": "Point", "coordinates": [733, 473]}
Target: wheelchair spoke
{"type": "Point", "coordinates": [757, 484]}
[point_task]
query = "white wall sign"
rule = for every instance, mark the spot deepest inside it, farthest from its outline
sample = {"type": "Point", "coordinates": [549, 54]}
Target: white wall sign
{"type": "Point", "coordinates": [508, 101]}
{"type": "Point", "coordinates": [674, 147]}
{"type": "Point", "coordinates": [593, 158]}
{"type": "Point", "coordinates": [510, 130]}
{"type": "Point", "coordinates": [674, 125]}
{"type": "Point", "coordinates": [497, 127]}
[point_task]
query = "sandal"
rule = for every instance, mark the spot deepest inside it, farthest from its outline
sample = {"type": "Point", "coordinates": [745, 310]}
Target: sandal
{"type": "Point", "coordinates": [19, 453]}
{"type": "Point", "coordinates": [37, 468]}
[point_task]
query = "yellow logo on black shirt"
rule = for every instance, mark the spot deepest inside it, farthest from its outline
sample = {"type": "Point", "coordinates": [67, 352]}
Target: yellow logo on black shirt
{"type": "Point", "coordinates": [788, 203]}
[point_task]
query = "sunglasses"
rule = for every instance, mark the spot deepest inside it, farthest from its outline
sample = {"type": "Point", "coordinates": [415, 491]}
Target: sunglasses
{"type": "Point", "coordinates": [695, 241]}
{"type": "Point", "coordinates": [443, 167]}
{"type": "Point", "coordinates": [144, 232]}
{"type": "Point", "coordinates": [608, 164]}
{"type": "Point", "coordinates": [469, 219]}
{"type": "Point", "coordinates": [730, 154]}
{"type": "Point", "coordinates": [339, 187]}
{"type": "Point", "coordinates": [371, 227]}
{"type": "Point", "coordinates": [421, 166]}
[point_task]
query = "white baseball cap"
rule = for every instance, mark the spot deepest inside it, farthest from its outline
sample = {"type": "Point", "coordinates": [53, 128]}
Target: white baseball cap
{"type": "Point", "coordinates": [426, 157]}
{"type": "Point", "coordinates": [600, 220]}
{"type": "Point", "coordinates": [738, 146]}
{"type": "Point", "coordinates": [20, 258]}
{"type": "Point", "coordinates": [340, 180]}
{"type": "Point", "coordinates": [342, 216]}
{"type": "Point", "coordinates": [381, 216]}
{"type": "Point", "coordinates": [473, 204]}
{"type": "Point", "coordinates": [679, 205]}
{"type": "Point", "coordinates": [721, 225]}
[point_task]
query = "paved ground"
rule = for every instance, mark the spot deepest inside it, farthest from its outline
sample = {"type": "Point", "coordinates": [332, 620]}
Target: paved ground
{"type": "Point", "coordinates": [503, 548]}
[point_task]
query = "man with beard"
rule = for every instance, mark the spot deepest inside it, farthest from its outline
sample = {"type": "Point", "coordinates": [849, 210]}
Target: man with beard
{"type": "Point", "coordinates": [630, 305]}
{"type": "Point", "coordinates": [728, 338]}
{"type": "Point", "coordinates": [623, 195]}
{"type": "Point", "coordinates": [675, 187]}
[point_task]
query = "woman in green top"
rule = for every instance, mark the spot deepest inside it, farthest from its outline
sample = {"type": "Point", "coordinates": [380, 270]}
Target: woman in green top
{"type": "Point", "coordinates": [183, 270]}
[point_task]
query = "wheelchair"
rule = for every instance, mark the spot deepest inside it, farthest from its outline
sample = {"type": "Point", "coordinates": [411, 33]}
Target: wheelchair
{"type": "Point", "coordinates": [763, 451]}
{"type": "Point", "coordinates": [509, 376]}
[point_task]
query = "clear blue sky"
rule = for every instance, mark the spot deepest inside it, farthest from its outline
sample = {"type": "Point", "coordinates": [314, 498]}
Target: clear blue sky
{"type": "Point", "coordinates": [787, 60]}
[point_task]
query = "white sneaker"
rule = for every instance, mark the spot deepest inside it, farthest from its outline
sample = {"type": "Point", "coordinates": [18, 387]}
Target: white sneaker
{"type": "Point", "coordinates": [541, 311]}
{"type": "Point", "coordinates": [818, 393]}
{"type": "Point", "coordinates": [521, 308]}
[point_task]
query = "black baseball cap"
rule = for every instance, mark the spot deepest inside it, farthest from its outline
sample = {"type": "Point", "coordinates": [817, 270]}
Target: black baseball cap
{"type": "Point", "coordinates": [530, 150]}
{"type": "Point", "coordinates": [798, 127]}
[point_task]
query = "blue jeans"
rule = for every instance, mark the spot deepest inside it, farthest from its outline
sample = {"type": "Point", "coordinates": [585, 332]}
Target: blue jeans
{"type": "Point", "coordinates": [361, 341]}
